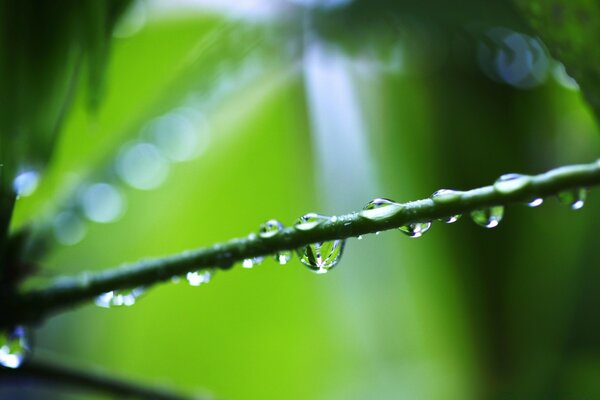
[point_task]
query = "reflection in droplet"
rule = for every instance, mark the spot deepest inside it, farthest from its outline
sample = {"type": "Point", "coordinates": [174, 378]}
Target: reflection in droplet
{"type": "Point", "coordinates": [573, 198]}
{"type": "Point", "coordinates": [451, 219]}
{"type": "Point", "coordinates": [488, 217]}
{"type": "Point", "coordinates": [509, 183]}
{"type": "Point", "coordinates": [14, 347]}
{"type": "Point", "coordinates": [68, 228]}
{"type": "Point", "coordinates": [117, 298]}
{"type": "Point", "coordinates": [320, 256]}
{"type": "Point", "coordinates": [536, 202]}
{"type": "Point", "coordinates": [25, 183]}
{"type": "Point", "coordinates": [309, 221]}
{"type": "Point", "coordinates": [102, 203]}
{"type": "Point", "coordinates": [270, 229]}
{"type": "Point", "coordinates": [197, 278]}
{"type": "Point", "coordinates": [416, 229]}
{"type": "Point", "coordinates": [142, 166]}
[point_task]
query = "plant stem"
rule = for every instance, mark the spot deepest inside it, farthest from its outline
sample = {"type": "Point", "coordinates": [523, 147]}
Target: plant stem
{"type": "Point", "coordinates": [68, 292]}
{"type": "Point", "coordinates": [60, 374]}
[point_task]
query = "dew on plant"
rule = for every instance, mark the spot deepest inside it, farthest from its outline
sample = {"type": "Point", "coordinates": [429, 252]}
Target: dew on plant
{"type": "Point", "coordinates": [251, 262]}
{"type": "Point", "coordinates": [117, 298]}
{"type": "Point", "coordinates": [488, 217]}
{"type": "Point", "coordinates": [415, 230]}
{"type": "Point", "coordinates": [309, 221]}
{"type": "Point", "coordinates": [320, 256]}
{"type": "Point", "coordinates": [25, 183]}
{"type": "Point", "coordinates": [270, 228]}
{"type": "Point", "coordinates": [283, 257]}
{"type": "Point", "coordinates": [510, 183]}
{"type": "Point", "coordinates": [14, 347]}
{"type": "Point", "coordinates": [443, 196]}
{"type": "Point", "coordinates": [198, 278]}
{"type": "Point", "coordinates": [359, 237]}
{"type": "Point", "coordinates": [535, 202]}
{"type": "Point", "coordinates": [573, 198]}
{"type": "Point", "coordinates": [451, 219]}
{"type": "Point", "coordinates": [380, 208]}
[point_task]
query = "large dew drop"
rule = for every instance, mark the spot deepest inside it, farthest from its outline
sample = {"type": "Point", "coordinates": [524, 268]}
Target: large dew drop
{"type": "Point", "coordinates": [488, 217]}
{"type": "Point", "coordinates": [573, 198]}
{"type": "Point", "coordinates": [415, 230]}
{"type": "Point", "coordinates": [14, 347]}
{"type": "Point", "coordinates": [380, 208]}
{"type": "Point", "coordinates": [117, 298]}
{"type": "Point", "coordinates": [270, 229]}
{"type": "Point", "coordinates": [509, 183]}
{"type": "Point", "coordinates": [319, 256]}
{"type": "Point", "coordinates": [198, 278]}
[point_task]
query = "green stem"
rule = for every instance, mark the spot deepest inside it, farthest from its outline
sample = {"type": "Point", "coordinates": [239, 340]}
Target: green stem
{"type": "Point", "coordinates": [60, 374]}
{"type": "Point", "coordinates": [69, 292]}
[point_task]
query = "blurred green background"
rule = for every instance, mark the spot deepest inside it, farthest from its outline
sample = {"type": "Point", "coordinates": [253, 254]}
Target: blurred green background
{"type": "Point", "coordinates": [204, 119]}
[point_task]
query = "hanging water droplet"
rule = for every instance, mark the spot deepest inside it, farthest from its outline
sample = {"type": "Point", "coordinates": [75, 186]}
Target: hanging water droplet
{"type": "Point", "coordinates": [573, 198]}
{"type": "Point", "coordinates": [320, 256]}
{"type": "Point", "coordinates": [380, 208]}
{"type": "Point", "coordinates": [415, 230]}
{"type": "Point", "coordinates": [309, 221]}
{"type": "Point", "coordinates": [535, 202]}
{"type": "Point", "coordinates": [443, 196]}
{"type": "Point", "coordinates": [270, 228]}
{"type": "Point", "coordinates": [509, 183]}
{"type": "Point", "coordinates": [451, 219]}
{"type": "Point", "coordinates": [283, 257]}
{"type": "Point", "coordinates": [488, 217]}
{"type": "Point", "coordinates": [25, 183]}
{"type": "Point", "coordinates": [122, 297]}
{"type": "Point", "coordinates": [197, 278]}
{"type": "Point", "coordinates": [14, 347]}
{"type": "Point", "coordinates": [251, 262]}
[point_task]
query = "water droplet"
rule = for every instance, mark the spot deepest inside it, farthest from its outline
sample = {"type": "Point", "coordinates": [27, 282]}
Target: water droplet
{"type": "Point", "coordinates": [14, 347]}
{"type": "Point", "coordinates": [488, 217]}
{"type": "Point", "coordinates": [359, 237]}
{"type": "Point", "coordinates": [415, 230]}
{"type": "Point", "coordinates": [251, 262]}
{"type": "Point", "coordinates": [142, 166]}
{"type": "Point", "coordinates": [270, 228]}
{"type": "Point", "coordinates": [197, 278]}
{"type": "Point", "coordinates": [380, 208]}
{"type": "Point", "coordinates": [451, 219]}
{"type": "Point", "coordinates": [102, 203]}
{"type": "Point", "coordinates": [282, 257]}
{"type": "Point", "coordinates": [116, 298]}
{"type": "Point", "coordinates": [509, 183]}
{"type": "Point", "coordinates": [573, 198]}
{"type": "Point", "coordinates": [25, 183]}
{"type": "Point", "coordinates": [443, 196]}
{"type": "Point", "coordinates": [535, 202]}
{"type": "Point", "coordinates": [309, 221]}
{"type": "Point", "coordinates": [319, 256]}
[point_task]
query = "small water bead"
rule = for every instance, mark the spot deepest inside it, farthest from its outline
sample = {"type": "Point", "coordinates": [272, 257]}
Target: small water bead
{"type": "Point", "coordinates": [535, 202]}
{"type": "Point", "coordinates": [117, 298]}
{"type": "Point", "coordinates": [451, 219]}
{"type": "Point", "coordinates": [320, 256]}
{"type": "Point", "coordinates": [573, 198]}
{"type": "Point", "coordinates": [309, 221]}
{"type": "Point", "coordinates": [359, 237]}
{"type": "Point", "coordinates": [14, 347]}
{"type": "Point", "coordinates": [488, 217]}
{"type": "Point", "coordinates": [415, 230]}
{"type": "Point", "coordinates": [380, 208]}
{"type": "Point", "coordinates": [197, 278]}
{"type": "Point", "coordinates": [443, 196]}
{"type": "Point", "coordinates": [25, 183]}
{"type": "Point", "coordinates": [251, 262]}
{"type": "Point", "coordinates": [270, 228]}
{"type": "Point", "coordinates": [509, 183]}
{"type": "Point", "coordinates": [283, 257]}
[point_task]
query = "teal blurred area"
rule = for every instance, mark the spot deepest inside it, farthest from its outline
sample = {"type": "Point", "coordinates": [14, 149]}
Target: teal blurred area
{"type": "Point", "coordinates": [213, 118]}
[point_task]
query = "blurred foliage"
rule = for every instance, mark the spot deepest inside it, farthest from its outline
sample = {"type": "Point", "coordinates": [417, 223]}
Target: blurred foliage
{"type": "Point", "coordinates": [460, 314]}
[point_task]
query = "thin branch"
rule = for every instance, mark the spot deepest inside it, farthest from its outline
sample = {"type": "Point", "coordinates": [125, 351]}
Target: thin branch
{"type": "Point", "coordinates": [68, 292]}
{"type": "Point", "coordinates": [52, 373]}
